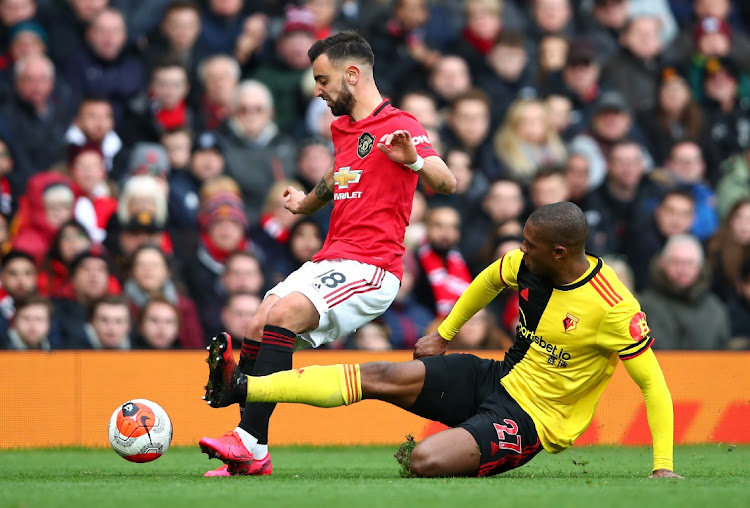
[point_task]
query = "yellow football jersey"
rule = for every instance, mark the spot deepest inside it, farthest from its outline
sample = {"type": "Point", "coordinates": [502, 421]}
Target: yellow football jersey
{"type": "Point", "coordinates": [567, 343]}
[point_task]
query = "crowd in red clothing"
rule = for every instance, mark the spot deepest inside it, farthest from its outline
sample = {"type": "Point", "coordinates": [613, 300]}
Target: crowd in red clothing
{"type": "Point", "coordinates": [145, 147]}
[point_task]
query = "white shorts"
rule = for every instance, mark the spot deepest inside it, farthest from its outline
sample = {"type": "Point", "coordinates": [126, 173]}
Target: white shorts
{"type": "Point", "coordinates": [346, 293]}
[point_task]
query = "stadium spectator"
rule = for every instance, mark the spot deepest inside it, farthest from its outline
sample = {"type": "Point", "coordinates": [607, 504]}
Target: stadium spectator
{"type": "Point", "coordinates": [449, 78]}
{"type": "Point", "coordinates": [206, 161]}
{"type": "Point", "coordinates": [710, 18]}
{"type": "Point", "coordinates": [90, 281]}
{"type": "Point", "coordinates": [305, 240]}
{"type": "Point", "coordinates": [109, 324]}
{"type": "Point", "coordinates": [471, 186]}
{"type": "Point", "coordinates": [253, 44]}
{"type": "Point", "coordinates": [314, 158]}
{"type": "Point", "coordinates": [372, 336]}
{"type": "Point", "coordinates": [508, 74]}
{"type": "Point", "coordinates": [560, 114]}
{"type": "Point", "coordinates": [738, 307]}
{"type": "Point", "coordinates": [621, 200]}
{"type": "Point", "coordinates": [177, 37]}
{"type": "Point", "coordinates": [236, 312]}
{"type": "Point", "coordinates": [17, 282]}
{"type": "Point", "coordinates": [178, 143]}
{"type": "Point", "coordinates": [36, 116]}
{"type": "Point", "coordinates": [674, 118]}
{"type": "Point", "coordinates": [484, 23]}
{"type": "Point", "coordinates": [30, 328]}
{"type": "Point", "coordinates": [158, 326]}
{"type": "Point", "coordinates": [551, 57]}
{"type": "Point", "coordinates": [15, 12]}
{"type": "Point", "coordinates": [443, 271]}
{"type": "Point", "coordinates": [54, 279]}
{"type": "Point", "coordinates": [67, 22]}
{"type": "Point", "coordinates": [730, 247]}
{"type": "Point", "coordinates": [526, 141]}
{"type": "Point", "coordinates": [104, 66]}
{"type": "Point", "coordinates": [727, 109]}
{"type": "Point", "coordinates": [674, 215]}
{"type": "Point", "coordinates": [579, 80]}
{"type": "Point", "coordinates": [162, 107]}
{"type": "Point", "coordinates": [468, 127]}
{"type": "Point", "coordinates": [734, 183]}
{"type": "Point", "coordinates": [251, 139]}
{"type": "Point", "coordinates": [480, 332]}
{"type": "Point", "coordinates": [407, 319]}
{"type": "Point", "coordinates": [403, 39]}
{"type": "Point", "coordinates": [548, 186]}
{"type": "Point", "coordinates": [243, 274]}
{"type": "Point", "coordinates": [604, 24]}
{"type": "Point", "coordinates": [423, 105]}
{"type": "Point", "coordinates": [634, 69]}
{"type": "Point", "coordinates": [95, 200]}
{"type": "Point", "coordinates": [551, 17]}
{"type": "Point", "coordinates": [149, 278]}
{"type": "Point", "coordinates": [271, 232]}
{"type": "Point", "coordinates": [612, 122]}
{"type": "Point", "coordinates": [504, 203]}
{"type": "Point", "coordinates": [94, 124]}
{"type": "Point", "coordinates": [287, 74]}
{"type": "Point", "coordinates": [685, 168]}
{"type": "Point", "coordinates": [7, 203]}
{"type": "Point", "coordinates": [577, 177]}
{"type": "Point", "coordinates": [219, 76]}
{"type": "Point", "coordinates": [682, 311]}
{"type": "Point", "coordinates": [27, 38]}
{"type": "Point", "coordinates": [222, 23]}
{"type": "Point", "coordinates": [47, 204]}
{"type": "Point", "coordinates": [223, 230]}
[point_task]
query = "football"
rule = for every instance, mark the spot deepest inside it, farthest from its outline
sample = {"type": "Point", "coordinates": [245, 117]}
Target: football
{"type": "Point", "coordinates": [140, 430]}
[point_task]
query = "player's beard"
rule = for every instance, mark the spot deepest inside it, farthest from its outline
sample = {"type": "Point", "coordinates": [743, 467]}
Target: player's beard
{"type": "Point", "coordinates": [344, 103]}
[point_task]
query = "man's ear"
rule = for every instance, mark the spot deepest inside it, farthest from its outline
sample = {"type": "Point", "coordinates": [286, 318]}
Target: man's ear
{"type": "Point", "coordinates": [559, 252]}
{"type": "Point", "coordinates": [352, 74]}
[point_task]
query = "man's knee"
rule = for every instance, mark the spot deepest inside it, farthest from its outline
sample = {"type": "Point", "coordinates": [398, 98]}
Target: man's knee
{"type": "Point", "coordinates": [254, 328]}
{"type": "Point", "coordinates": [424, 461]}
{"type": "Point", "coordinates": [294, 312]}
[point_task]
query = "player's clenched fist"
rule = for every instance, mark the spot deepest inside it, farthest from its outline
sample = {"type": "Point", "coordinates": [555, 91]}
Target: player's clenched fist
{"type": "Point", "coordinates": [399, 147]}
{"type": "Point", "coordinates": [293, 199]}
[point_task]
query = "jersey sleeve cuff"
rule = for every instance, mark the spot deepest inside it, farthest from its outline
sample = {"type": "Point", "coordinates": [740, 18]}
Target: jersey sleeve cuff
{"type": "Point", "coordinates": [636, 349]}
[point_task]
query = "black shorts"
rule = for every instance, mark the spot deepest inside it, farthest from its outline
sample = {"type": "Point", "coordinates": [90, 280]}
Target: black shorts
{"type": "Point", "coordinates": [464, 391]}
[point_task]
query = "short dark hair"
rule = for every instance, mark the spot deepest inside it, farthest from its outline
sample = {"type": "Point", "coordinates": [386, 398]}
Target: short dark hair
{"type": "Point", "coordinates": [511, 39]}
{"type": "Point", "coordinates": [547, 170]}
{"type": "Point", "coordinates": [678, 191]}
{"type": "Point", "coordinates": [561, 223]}
{"type": "Point", "coordinates": [342, 46]}
{"type": "Point", "coordinates": [16, 254]}
{"type": "Point", "coordinates": [178, 5]}
{"type": "Point", "coordinates": [475, 94]}
{"type": "Point", "coordinates": [30, 300]}
{"type": "Point", "coordinates": [167, 62]}
{"type": "Point", "coordinates": [108, 299]}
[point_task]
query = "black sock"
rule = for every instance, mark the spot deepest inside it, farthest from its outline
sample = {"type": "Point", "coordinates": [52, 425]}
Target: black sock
{"type": "Point", "coordinates": [248, 355]}
{"type": "Point", "coordinates": [275, 355]}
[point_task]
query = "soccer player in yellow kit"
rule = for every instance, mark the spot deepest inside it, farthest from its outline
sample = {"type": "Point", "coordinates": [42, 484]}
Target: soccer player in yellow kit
{"type": "Point", "coordinates": [576, 320]}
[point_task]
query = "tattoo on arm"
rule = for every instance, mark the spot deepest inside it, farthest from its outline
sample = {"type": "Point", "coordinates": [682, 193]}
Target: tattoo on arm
{"type": "Point", "coordinates": [322, 192]}
{"type": "Point", "coordinates": [440, 187]}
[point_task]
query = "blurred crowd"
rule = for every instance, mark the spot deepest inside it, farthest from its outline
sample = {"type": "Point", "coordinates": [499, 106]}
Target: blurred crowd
{"type": "Point", "coordinates": [145, 147]}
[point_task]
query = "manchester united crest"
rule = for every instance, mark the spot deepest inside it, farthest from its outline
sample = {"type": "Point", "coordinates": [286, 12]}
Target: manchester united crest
{"type": "Point", "coordinates": [364, 144]}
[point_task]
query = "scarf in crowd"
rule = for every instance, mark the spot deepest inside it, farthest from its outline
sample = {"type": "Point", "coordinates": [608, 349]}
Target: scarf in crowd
{"type": "Point", "coordinates": [172, 118]}
{"type": "Point", "coordinates": [274, 228]}
{"type": "Point", "coordinates": [482, 45]}
{"type": "Point", "coordinates": [448, 276]}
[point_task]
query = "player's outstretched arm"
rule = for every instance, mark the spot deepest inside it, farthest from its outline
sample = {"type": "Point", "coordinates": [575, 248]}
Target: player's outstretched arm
{"type": "Point", "coordinates": [297, 201]}
{"type": "Point", "coordinates": [645, 371]}
{"type": "Point", "coordinates": [399, 147]}
{"type": "Point", "coordinates": [482, 290]}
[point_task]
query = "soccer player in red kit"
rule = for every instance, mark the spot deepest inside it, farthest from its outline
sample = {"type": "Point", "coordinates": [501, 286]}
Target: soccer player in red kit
{"type": "Point", "coordinates": [380, 155]}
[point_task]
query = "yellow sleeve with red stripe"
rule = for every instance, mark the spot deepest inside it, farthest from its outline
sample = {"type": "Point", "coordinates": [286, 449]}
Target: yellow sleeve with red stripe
{"type": "Point", "coordinates": [482, 290]}
{"type": "Point", "coordinates": [645, 371]}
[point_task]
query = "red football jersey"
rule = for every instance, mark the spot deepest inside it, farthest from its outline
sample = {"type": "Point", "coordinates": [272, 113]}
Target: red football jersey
{"type": "Point", "coordinates": [372, 194]}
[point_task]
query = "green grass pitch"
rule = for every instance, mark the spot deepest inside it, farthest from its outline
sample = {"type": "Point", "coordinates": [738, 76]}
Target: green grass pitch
{"type": "Point", "coordinates": [716, 476]}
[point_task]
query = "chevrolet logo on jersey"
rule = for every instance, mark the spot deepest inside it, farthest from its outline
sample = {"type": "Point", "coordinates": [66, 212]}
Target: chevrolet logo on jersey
{"type": "Point", "coordinates": [344, 176]}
